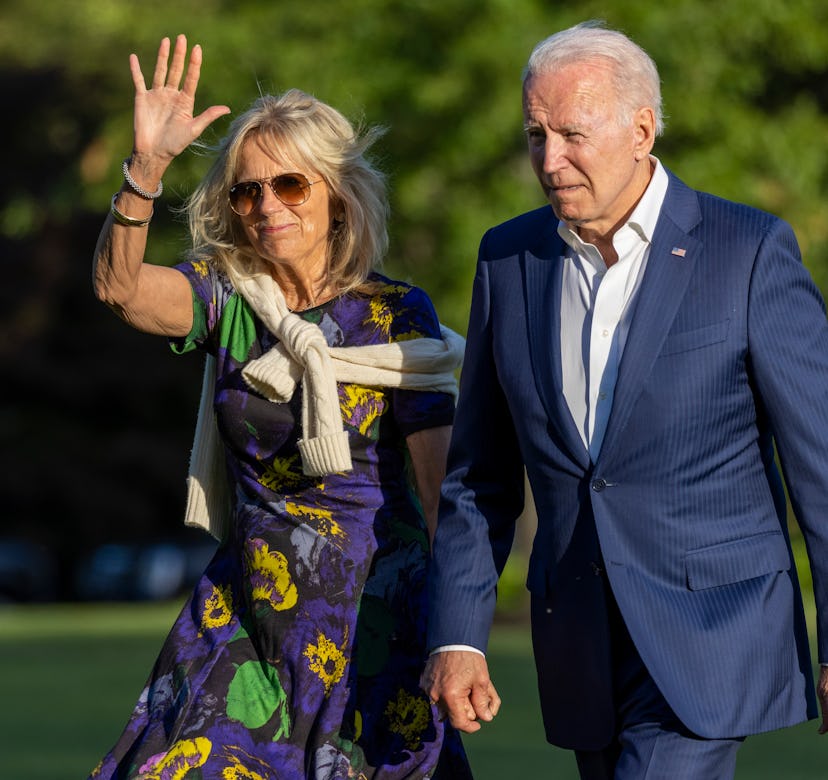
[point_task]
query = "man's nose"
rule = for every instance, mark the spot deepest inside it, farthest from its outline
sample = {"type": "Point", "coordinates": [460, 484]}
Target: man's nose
{"type": "Point", "coordinates": [554, 157]}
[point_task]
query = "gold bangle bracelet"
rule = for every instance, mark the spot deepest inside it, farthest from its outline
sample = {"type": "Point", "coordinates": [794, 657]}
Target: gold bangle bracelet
{"type": "Point", "coordinates": [123, 219]}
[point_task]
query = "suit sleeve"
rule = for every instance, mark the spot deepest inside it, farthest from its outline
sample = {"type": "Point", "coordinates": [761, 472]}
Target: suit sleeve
{"type": "Point", "coordinates": [483, 493]}
{"type": "Point", "coordinates": [788, 343]}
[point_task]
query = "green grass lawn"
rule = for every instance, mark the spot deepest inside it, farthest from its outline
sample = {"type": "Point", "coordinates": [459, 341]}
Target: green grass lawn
{"type": "Point", "coordinates": [70, 674]}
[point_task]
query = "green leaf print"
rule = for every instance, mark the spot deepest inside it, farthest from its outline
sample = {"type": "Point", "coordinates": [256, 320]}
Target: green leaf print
{"type": "Point", "coordinates": [237, 329]}
{"type": "Point", "coordinates": [255, 695]}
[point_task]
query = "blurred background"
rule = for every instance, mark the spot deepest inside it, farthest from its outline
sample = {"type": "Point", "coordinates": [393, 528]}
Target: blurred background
{"type": "Point", "coordinates": [96, 420]}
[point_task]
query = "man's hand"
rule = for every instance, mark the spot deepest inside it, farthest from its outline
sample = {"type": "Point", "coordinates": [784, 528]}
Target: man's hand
{"type": "Point", "coordinates": [822, 695]}
{"type": "Point", "coordinates": [457, 681]}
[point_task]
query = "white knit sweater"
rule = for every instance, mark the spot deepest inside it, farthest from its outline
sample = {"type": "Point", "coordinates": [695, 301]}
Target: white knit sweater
{"type": "Point", "coordinates": [303, 355]}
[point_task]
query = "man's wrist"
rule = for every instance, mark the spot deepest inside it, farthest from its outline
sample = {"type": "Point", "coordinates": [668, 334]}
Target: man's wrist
{"type": "Point", "coordinates": [450, 648]}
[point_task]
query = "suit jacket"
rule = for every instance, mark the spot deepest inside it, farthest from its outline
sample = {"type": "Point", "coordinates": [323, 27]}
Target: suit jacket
{"type": "Point", "coordinates": [727, 356]}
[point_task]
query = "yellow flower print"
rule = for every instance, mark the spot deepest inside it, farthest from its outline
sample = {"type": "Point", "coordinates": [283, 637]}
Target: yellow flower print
{"type": "Point", "coordinates": [284, 474]}
{"type": "Point", "coordinates": [382, 308]}
{"type": "Point", "coordinates": [327, 661]}
{"type": "Point", "coordinates": [381, 314]}
{"type": "Point", "coordinates": [361, 406]}
{"type": "Point", "coordinates": [269, 575]}
{"type": "Point", "coordinates": [320, 519]}
{"type": "Point", "coordinates": [218, 607]}
{"type": "Point", "coordinates": [236, 770]}
{"type": "Point", "coordinates": [408, 716]}
{"type": "Point", "coordinates": [327, 526]}
{"type": "Point", "coordinates": [307, 512]}
{"type": "Point", "coordinates": [201, 267]}
{"type": "Point", "coordinates": [182, 757]}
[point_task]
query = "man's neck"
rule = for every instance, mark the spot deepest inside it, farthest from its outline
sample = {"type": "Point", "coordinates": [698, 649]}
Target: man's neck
{"type": "Point", "coordinates": [602, 238]}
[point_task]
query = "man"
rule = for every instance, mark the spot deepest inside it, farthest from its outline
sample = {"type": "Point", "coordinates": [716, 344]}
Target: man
{"type": "Point", "coordinates": [640, 348]}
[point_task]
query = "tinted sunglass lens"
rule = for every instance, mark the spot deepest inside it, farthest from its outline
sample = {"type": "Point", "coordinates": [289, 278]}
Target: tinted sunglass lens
{"type": "Point", "coordinates": [244, 196]}
{"type": "Point", "coordinates": [290, 189]}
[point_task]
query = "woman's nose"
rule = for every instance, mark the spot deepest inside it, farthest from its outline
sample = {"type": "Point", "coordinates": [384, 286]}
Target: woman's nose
{"type": "Point", "coordinates": [269, 203]}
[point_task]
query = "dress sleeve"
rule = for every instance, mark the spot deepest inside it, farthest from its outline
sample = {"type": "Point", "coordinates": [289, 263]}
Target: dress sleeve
{"type": "Point", "coordinates": [416, 410]}
{"type": "Point", "coordinates": [208, 295]}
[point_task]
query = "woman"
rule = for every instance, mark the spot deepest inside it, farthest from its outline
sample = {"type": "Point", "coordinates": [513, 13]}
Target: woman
{"type": "Point", "coordinates": [299, 652]}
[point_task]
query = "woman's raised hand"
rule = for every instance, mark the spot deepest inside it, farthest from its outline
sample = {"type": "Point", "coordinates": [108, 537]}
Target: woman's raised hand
{"type": "Point", "coordinates": [164, 123]}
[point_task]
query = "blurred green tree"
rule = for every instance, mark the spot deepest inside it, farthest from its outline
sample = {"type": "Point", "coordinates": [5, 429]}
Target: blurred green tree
{"type": "Point", "coordinates": [746, 95]}
{"type": "Point", "coordinates": [744, 83]}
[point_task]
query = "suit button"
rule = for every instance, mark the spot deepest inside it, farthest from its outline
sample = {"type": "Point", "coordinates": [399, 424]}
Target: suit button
{"type": "Point", "coordinates": [598, 485]}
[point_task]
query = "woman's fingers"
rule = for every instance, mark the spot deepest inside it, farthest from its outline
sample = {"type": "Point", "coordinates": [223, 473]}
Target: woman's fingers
{"type": "Point", "coordinates": [168, 72]}
{"type": "Point", "coordinates": [137, 75]}
{"type": "Point", "coordinates": [176, 68]}
{"type": "Point", "coordinates": [164, 122]}
{"type": "Point", "coordinates": [160, 75]}
{"type": "Point", "coordinates": [193, 72]}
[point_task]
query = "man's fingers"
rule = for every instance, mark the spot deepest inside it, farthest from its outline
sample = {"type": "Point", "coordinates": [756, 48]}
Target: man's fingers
{"type": "Point", "coordinates": [462, 716]}
{"type": "Point", "coordinates": [464, 713]}
{"type": "Point", "coordinates": [494, 700]}
{"type": "Point", "coordinates": [485, 702]}
{"type": "Point", "coordinates": [458, 684]}
{"type": "Point", "coordinates": [460, 713]}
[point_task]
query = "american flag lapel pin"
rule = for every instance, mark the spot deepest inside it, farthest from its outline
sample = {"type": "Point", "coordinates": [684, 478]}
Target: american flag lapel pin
{"type": "Point", "coordinates": [678, 251]}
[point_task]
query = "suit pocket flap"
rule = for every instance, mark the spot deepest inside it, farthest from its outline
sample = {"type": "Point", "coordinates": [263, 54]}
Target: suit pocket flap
{"type": "Point", "coordinates": [741, 559]}
{"type": "Point", "coordinates": [695, 339]}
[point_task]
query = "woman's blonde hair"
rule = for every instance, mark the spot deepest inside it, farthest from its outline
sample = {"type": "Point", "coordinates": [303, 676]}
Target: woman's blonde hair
{"type": "Point", "coordinates": [308, 133]}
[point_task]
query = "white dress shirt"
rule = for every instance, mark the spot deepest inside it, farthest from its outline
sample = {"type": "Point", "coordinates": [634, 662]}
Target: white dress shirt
{"type": "Point", "coordinates": [596, 308]}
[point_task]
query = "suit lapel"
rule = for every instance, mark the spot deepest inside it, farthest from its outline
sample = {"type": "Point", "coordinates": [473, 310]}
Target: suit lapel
{"type": "Point", "coordinates": [669, 268]}
{"type": "Point", "coordinates": [543, 274]}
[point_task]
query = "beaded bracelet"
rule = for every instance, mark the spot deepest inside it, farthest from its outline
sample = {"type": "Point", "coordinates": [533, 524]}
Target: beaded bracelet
{"type": "Point", "coordinates": [137, 187]}
{"type": "Point", "coordinates": [123, 219]}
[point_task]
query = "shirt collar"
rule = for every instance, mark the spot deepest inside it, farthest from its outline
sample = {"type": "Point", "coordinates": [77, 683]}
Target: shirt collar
{"type": "Point", "coordinates": [643, 218]}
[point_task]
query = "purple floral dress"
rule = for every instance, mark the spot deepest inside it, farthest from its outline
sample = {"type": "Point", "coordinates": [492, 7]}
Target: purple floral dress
{"type": "Point", "coordinates": [298, 654]}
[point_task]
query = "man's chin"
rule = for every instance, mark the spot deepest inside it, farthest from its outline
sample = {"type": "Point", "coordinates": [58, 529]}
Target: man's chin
{"type": "Point", "coordinates": [564, 210]}
{"type": "Point", "coordinates": [568, 215]}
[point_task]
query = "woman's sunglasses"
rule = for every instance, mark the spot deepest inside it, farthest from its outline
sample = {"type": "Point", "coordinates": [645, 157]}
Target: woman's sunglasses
{"type": "Point", "coordinates": [293, 189]}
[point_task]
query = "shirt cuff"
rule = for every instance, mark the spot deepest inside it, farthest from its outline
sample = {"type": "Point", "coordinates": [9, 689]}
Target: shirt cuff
{"type": "Point", "coordinates": [448, 648]}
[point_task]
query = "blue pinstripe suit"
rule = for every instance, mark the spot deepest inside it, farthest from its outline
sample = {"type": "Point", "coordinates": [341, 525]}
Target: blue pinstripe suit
{"type": "Point", "coordinates": [727, 355]}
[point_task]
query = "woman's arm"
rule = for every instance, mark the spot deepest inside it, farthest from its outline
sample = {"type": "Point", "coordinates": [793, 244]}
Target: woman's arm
{"type": "Point", "coordinates": [428, 449]}
{"type": "Point", "coordinates": [152, 298]}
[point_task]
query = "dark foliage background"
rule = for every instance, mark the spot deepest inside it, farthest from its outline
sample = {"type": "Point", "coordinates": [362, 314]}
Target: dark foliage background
{"type": "Point", "coordinates": [96, 420]}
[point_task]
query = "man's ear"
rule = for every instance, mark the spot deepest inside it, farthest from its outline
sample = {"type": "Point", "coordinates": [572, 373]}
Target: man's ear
{"type": "Point", "coordinates": [644, 132]}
